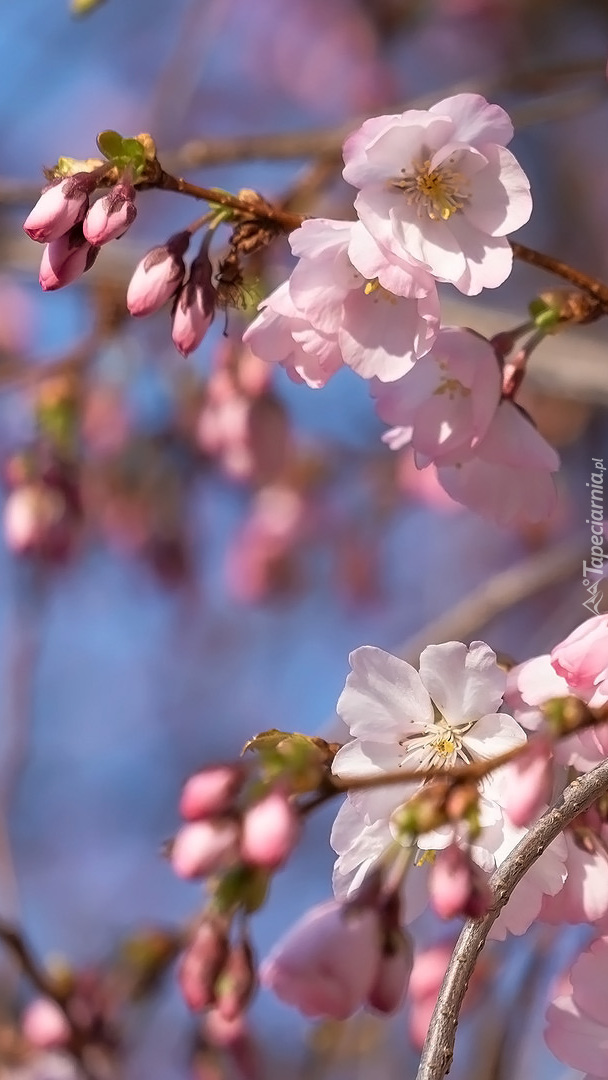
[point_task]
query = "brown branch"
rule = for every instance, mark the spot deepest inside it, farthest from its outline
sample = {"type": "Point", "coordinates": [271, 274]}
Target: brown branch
{"type": "Point", "coordinates": [38, 976]}
{"type": "Point", "coordinates": [439, 1044]}
{"type": "Point", "coordinates": [499, 594]}
{"type": "Point", "coordinates": [597, 289]}
{"type": "Point", "coordinates": [326, 142]}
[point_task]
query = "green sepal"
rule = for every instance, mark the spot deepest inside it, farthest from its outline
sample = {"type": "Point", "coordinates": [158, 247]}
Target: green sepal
{"type": "Point", "coordinates": [545, 315]}
{"type": "Point", "coordinates": [123, 153]}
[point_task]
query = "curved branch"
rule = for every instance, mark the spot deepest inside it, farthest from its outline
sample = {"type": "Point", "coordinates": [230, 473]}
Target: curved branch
{"type": "Point", "coordinates": [439, 1044]}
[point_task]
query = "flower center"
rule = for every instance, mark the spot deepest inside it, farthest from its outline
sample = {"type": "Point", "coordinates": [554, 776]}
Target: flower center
{"type": "Point", "coordinates": [377, 291]}
{"type": "Point", "coordinates": [439, 746]}
{"type": "Point", "coordinates": [438, 192]}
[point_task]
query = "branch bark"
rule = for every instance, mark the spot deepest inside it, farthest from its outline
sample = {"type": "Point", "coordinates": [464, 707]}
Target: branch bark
{"type": "Point", "coordinates": [439, 1045]}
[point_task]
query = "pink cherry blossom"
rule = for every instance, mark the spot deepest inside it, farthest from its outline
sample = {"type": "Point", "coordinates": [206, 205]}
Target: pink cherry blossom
{"type": "Point", "coordinates": [535, 682]}
{"type": "Point", "coordinates": [445, 403]}
{"type": "Point", "coordinates": [203, 847]}
{"type": "Point", "coordinates": [327, 964]}
{"type": "Point", "coordinates": [583, 897]}
{"type": "Point", "coordinates": [428, 971]}
{"type": "Point", "coordinates": [527, 781]}
{"type": "Point", "coordinates": [387, 994]}
{"type": "Point", "coordinates": [582, 660]}
{"type": "Point", "coordinates": [270, 831]}
{"type": "Point", "coordinates": [438, 186]}
{"type": "Point", "coordinates": [61, 205]}
{"type": "Point", "coordinates": [158, 276]}
{"type": "Point", "coordinates": [111, 216]}
{"type": "Point", "coordinates": [45, 1025]}
{"type": "Point", "coordinates": [457, 886]}
{"type": "Point", "coordinates": [545, 878]}
{"type": "Point", "coordinates": [442, 715]}
{"type": "Point", "coordinates": [577, 1018]}
{"type": "Point", "coordinates": [195, 306]}
{"type": "Point", "coordinates": [201, 964]}
{"type": "Point", "coordinates": [66, 259]}
{"type": "Point", "coordinates": [328, 314]}
{"type": "Point", "coordinates": [209, 792]}
{"type": "Point", "coordinates": [508, 476]}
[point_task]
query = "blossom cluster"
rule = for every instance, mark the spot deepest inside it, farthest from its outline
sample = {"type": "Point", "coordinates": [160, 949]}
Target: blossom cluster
{"type": "Point", "coordinates": [441, 784]}
{"type": "Point", "coordinates": [438, 193]}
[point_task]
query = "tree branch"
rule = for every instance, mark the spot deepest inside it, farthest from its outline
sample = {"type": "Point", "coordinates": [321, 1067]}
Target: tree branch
{"type": "Point", "coordinates": [439, 1044]}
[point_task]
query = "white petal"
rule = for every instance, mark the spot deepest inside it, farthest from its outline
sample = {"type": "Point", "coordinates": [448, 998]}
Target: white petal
{"type": "Point", "coordinates": [493, 735]}
{"type": "Point", "coordinates": [383, 697]}
{"type": "Point", "coordinates": [464, 683]}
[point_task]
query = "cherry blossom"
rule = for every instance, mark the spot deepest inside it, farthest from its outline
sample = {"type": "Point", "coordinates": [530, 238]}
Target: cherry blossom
{"type": "Point", "coordinates": [584, 895]}
{"type": "Point", "coordinates": [577, 1018]}
{"type": "Point", "coordinates": [327, 963]}
{"type": "Point", "coordinates": [582, 660]}
{"type": "Point", "coordinates": [446, 403]}
{"type": "Point", "coordinates": [544, 878]}
{"type": "Point", "coordinates": [507, 477]}
{"type": "Point", "coordinates": [581, 657]}
{"type": "Point", "coordinates": [401, 718]}
{"type": "Point", "coordinates": [439, 187]}
{"type": "Point", "coordinates": [328, 314]}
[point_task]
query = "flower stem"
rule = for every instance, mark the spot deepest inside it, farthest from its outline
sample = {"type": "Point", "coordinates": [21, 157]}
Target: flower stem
{"type": "Point", "coordinates": [588, 284]}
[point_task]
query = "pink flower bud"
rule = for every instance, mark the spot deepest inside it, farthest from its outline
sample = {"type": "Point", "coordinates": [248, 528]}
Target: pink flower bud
{"type": "Point", "coordinates": [270, 831]}
{"type": "Point", "coordinates": [201, 965]}
{"type": "Point", "coordinates": [210, 792]}
{"type": "Point", "coordinates": [111, 216]}
{"type": "Point", "coordinates": [202, 847]}
{"type": "Point", "coordinates": [45, 1025]}
{"type": "Point", "coordinates": [234, 1037]}
{"type": "Point", "coordinates": [237, 981]}
{"type": "Point", "coordinates": [158, 276]}
{"type": "Point", "coordinates": [61, 205]}
{"type": "Point", "coordinates": [527, 782]}
{"type": "Point", "coordinates": [388, 991]}
{"type": "Point", "coordinates": [582, 659]}
{"type": "Point", "coordinates": [457, 885]}
{"type": "Point", "coordinates": [64, 260]}
{"type": "Point", "coordinates": [327, 964]}
{"type": "Point", "coordinates": [195, 307]}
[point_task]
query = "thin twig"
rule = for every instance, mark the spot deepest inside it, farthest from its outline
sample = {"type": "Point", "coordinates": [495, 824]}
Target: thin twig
{"type": "Point", "coordinates": [583, 281]}
{"type": "Point", "coordinates": [499, 594]}
{"type": "Point", "coordinates": [439, 1044]}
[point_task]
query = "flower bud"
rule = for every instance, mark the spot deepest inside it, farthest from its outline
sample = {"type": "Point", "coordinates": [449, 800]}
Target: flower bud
{"type": "Point", "coordinates": [201, 965]}
{"type": "Point", "coordinates": [195, 307]}
{"type": "Point", "coordinates": [110, 217]}
{"type": "Point", "coordinates": [326, 965]}
{"type": "Point", "coordinates": [527, 782]}
{"type": "Point", "coordinates": [61, 205]}
{"type": "Point", "coordinates": [158, 276]}
{"type": "Point", "coordinates": [236, 982]}
{"type": "Point", "coordinates": [457, 885]}
{"type": "Point", "coordinates": [392, 978]}
{"type": "Point", "coordinates": [64, 260]}
{"type": "Point", "coordinates": [582, 659]}
{"type": "Point", "coordinates": [45, 1025]}
{"type": "Point", "coordinates": [270, 831]}
{"type": "Point", "coordinates": [203, 847]}
{"type": "Point", "coordinates": [209, 792]}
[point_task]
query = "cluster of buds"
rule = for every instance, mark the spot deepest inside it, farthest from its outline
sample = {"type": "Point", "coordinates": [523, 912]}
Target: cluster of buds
{"type": "Point", "coordinates": [161, 276]}
{"type": "Point", "coordinates": [220, 834]}
{"type": "Point", "coordinates": [73, 227]}
{"type": "Point", "coordinates": [340, 957]}
{"type": "Point", "coordinates": [215, 973]}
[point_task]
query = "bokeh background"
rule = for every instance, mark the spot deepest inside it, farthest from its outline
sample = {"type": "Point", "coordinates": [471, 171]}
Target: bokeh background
{"type": "Point", "coordinates": [222, 539]}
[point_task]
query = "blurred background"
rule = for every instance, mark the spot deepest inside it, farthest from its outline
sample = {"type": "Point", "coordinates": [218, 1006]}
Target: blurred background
{"type": "Point", "coordinates": [192, 548]}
